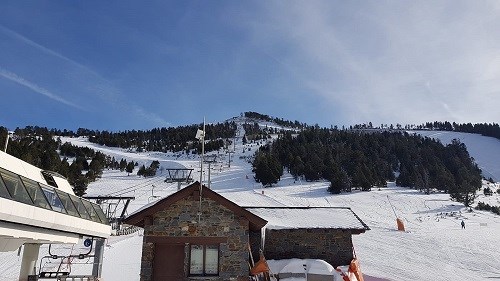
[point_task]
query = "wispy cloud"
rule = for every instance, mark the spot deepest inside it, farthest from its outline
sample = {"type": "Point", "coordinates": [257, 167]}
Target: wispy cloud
{"type": "Point", "coordinates": [86, 79]}
{"type": "Point", "coordinates": [433, 60]}
{"type": "Point", "coordinates": [151, 116]}
{"type": "Point", "coordinates": [44, 49]}
{"type": "Point", "coordinates": [34, 87]}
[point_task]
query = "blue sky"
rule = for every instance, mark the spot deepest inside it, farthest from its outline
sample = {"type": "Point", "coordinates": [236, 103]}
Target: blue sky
{"type": "Point", "coordinates": [118, 65]}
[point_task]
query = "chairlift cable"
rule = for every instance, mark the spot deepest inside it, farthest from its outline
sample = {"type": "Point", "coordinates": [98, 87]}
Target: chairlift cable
{"type": "Point", "coordinates": [130, 188]}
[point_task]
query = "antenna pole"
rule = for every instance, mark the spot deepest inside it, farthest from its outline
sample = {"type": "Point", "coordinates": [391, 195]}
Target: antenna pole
{"type": "Point", "coordinates": [201, 164]}
{"type": "Point", "coordinates": [202, 151]}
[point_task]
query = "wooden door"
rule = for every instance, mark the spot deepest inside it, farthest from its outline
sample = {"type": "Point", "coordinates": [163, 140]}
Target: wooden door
{"type": "Point", "coordinates": [168, 264]}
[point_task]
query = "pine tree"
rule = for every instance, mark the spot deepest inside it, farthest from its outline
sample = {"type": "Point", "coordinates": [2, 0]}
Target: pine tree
{"type": "Point", "coordinates": [123, 164]}
{"type": "Point", "coordinates": [339, 180]}
{"type": "Point", "coordinates": [80, 185]}
{"type": "Point", "coordinates": [3, 136]}
{"type": "Point", "coordinates": [142, 171]}
{"type": "Point", "coordinates": [81, 161]}
{"type": "Point", "coordinates": [130, 167]}
{"type": "Point", "coordinates": [96, 166]}
{"type": "Point", "coordinates": [267, 168]}
{"type": "Point", "coordinates": [64, 167]}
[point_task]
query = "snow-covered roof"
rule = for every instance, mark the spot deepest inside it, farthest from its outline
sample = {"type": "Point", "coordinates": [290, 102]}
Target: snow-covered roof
{"type": "Point", "coordinates": [310, 217]}
{"type": "Point", "coordinates": [29, 171]}
{"type": "Point", "coordinates": [138, 218]}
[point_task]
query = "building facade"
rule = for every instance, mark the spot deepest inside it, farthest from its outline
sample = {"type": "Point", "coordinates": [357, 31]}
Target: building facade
{"type": "Point", "coordinates": [310, 233]}
{"type": "Point", "coordinates": [197, 234]}
{"type": "Point", "coordinates": [193, 237]}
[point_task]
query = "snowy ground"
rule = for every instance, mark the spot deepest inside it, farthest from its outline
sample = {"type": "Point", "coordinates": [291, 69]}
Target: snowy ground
{"type": "Point", "coordinates": [434, 247]}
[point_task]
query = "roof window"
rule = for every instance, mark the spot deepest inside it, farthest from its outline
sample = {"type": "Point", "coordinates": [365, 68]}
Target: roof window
{"type": "Point", "coordinates": [49, 178]}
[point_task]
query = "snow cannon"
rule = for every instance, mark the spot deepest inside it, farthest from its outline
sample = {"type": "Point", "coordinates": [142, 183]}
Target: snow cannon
{"type": "Point", "coordinates": [399, 222]}
{"type": "Point", "coordinates": [401, 225]}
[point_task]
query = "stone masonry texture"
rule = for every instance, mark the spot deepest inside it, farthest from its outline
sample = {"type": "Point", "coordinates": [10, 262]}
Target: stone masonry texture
{"type": "Point", "coordinates": [181, 219]}
{"type": "Point", "coordinates": [331, 245]}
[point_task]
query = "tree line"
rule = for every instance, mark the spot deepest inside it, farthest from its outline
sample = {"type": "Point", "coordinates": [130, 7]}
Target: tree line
{"type": "Point", "coordinates": [173, 139]}
{"type": "Point", "coordinates": [485, 129]}
{"type": "Point", "coordinates": [365, 160]}
{"type": "Point", "coordinates": [279, 121]}
{"type": "Point", "coordinates": [43, 150]}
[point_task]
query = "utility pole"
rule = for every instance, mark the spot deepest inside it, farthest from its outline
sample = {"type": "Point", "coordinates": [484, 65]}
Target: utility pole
{"type": "Point", "coordinates": [202, 138]}
{"type": "Point", "coordinates": [98, 258]}
{"type": "Point", "coordinates": [230, 152]}
{"type": "Point", "coordinates": [209, 160]}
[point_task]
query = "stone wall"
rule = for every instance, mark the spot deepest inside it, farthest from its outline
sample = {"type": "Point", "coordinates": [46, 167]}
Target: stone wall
{"type": "Point", "coordinates": [255, 243]}
{"type": "Point", "coordinates": [181, 222]}
{"type": "Point", "coordinates": [331, 245]}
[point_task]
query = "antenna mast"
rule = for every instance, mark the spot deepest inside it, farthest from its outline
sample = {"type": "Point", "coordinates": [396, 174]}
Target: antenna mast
{"type": "Point", "coordinates": [202, 153]}
{"type": "Point", "coordinates": [201, 165]}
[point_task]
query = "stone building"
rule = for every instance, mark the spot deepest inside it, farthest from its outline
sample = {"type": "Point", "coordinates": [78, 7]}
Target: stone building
{"type": "Point", "coordinates": [310, 233]}
{"type": "Point", "coordinates": [193, 237]}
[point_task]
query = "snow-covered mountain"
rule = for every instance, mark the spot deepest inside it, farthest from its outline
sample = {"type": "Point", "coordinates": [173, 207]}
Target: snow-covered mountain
{"type": "Point", "coordinates": [433, 248]}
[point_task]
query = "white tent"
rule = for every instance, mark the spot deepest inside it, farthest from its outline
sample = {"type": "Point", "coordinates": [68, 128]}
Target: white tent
{"type": "Point", "coordinates": [300, 269]}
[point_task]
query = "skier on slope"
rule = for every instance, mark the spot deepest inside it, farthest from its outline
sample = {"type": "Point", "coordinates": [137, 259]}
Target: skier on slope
{"type": "Point", "coordinates": [463, 224]}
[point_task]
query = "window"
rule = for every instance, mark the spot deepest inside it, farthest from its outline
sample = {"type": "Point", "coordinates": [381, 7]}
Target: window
{"type": "Point", "coordinates": [68, 204]}
{"type": "Point", "coordinates": [36, 193]}
{"type": "Point", "coordinates": [80, 207]}
{"type": "Point", "coordinates": [47, 175]}
{"type": "Point", "coordinates": [204, 260]}
{"type": "Point", "coordinates": [3, 190]}
{"type": "Point", "coordinates": [28, 191]}
{"type": "Point", "coordinates": [93, 215]}
{"type": "Point", "coordinates": [54, 200]}
{"type": "Point", "coordinates": [212, 260]}
{"type": "Point", "coordinates": [100, 213]}
{"type": "Point", "coordinates": [15, 187]}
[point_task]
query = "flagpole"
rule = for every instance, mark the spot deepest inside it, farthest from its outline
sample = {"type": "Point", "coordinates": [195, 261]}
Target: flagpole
{"type": "Point", "coordinates": [201, 165]}
{"type": "Point", "coordinates": [202, 152]}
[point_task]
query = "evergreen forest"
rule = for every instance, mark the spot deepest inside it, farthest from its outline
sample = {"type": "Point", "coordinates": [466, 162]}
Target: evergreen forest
{"type": "Point", "coordinates": [365, 160]}
{"type": "Point", "coordinates": [172, 139]}
{"type": "Point", "coordinates": [485, 129]}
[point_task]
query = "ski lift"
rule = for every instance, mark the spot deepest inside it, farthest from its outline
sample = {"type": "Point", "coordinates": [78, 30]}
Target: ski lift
{"type": "Point", "coordinates": [112, 204]}
{"type": "Point", "coordinates": [61, 271]}
{"type": "Point", "coordinates": [179, 175]}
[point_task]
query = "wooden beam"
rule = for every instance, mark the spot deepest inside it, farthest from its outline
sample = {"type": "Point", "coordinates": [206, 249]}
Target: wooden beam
{"type": "Point", "coordinates": [183, 240]}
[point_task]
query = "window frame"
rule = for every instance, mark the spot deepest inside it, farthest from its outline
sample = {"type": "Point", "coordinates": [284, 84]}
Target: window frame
{"type": "Point", "coordinates": [55, 200]}
{"type": "Point", "coordinates": [17, 193]}
{"type": "Point", "coordinates": [36, 193]}
{"type": "Point", "coordinates": [92, 213]}
{"type": "Point", "coordinates": [47, 176]}
{"type": "Point", "coordinates": [204, 267]}
{"type": "Point", "coordinates": [24, 190]}
{"type": "Point", "coordinates": [65, 200]}
{"type": "Point", "coordinates": [4, 191]}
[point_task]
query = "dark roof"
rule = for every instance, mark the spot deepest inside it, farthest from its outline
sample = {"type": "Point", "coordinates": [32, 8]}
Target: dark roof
{"type": "Point", "coordinates": [137, 218]}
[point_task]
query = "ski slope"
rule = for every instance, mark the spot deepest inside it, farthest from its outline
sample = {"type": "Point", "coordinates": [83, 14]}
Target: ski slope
{"type": "Point", "coordinates": [434, 247]}
{"type": "Point", "coordinates": [485, 150]}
